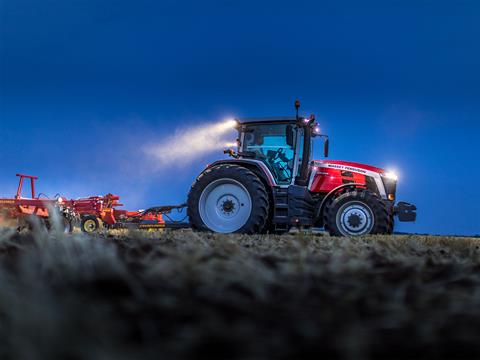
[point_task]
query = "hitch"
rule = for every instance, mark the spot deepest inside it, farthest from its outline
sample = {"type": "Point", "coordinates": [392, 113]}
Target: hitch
{"type": "Point", "coordinates": [231, 153]}
{"type": "Point", "coordinates": [406, 212]}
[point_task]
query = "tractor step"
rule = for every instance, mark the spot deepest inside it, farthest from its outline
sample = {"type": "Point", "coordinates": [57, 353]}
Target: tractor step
{"type": "Point", "coordinates": [281, 217]}
{"type": "Point", "coordinates": [293, 205]}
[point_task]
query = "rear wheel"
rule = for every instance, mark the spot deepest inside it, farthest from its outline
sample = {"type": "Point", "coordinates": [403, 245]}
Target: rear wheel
{"type": "Point", "coordinates": [89, 224]}
{"type": "Point", "coordinates": [357, 212]}
{"type": "Point", "coordinates": [228, 198]}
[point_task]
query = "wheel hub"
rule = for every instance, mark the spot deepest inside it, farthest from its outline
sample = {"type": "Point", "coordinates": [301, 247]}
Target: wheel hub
{"type": "Point", "coordinates": [228, 205]}
{"type": "Point", "coordinates": [355, 218]}
{"type": "Point", "coordinates": [90, 225]}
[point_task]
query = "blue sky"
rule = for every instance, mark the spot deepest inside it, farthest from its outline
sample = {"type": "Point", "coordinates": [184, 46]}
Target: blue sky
{"type": "Point", "coordinates": [84, 85]}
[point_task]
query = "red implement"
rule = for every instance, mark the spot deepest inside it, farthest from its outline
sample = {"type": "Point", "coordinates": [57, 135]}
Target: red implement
{"type": "Point", "coordinates": [90, 212]}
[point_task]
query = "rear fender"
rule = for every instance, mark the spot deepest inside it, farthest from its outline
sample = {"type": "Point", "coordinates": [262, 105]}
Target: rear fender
{"type": "Point", "coordinates": [258, 167]}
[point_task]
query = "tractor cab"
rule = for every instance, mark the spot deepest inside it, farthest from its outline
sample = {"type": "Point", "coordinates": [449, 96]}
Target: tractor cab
{"type": "Point", "coordinates": [280, 143]}
{"type": "Point", "coordinates": [266, 140]}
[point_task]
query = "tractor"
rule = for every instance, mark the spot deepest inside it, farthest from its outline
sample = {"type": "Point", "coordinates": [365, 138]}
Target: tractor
{"type": "Point", "coordinates": [272, 184]}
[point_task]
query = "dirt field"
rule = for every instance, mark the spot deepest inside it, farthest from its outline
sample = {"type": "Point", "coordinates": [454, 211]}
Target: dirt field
{"type": "Point", "coordinates": [185, 295]}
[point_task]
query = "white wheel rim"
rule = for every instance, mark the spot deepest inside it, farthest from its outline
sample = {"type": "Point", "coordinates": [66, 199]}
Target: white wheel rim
{"type": "Point", "coordinates": [225, 205]}
{"type": "Point", "coordinates": [354, 218]}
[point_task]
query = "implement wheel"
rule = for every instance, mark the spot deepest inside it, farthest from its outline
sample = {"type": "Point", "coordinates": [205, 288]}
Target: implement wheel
{"type": "Point", "coordinates": [226, 199]}
{"type": "Point", "coordinates": [89, 224]}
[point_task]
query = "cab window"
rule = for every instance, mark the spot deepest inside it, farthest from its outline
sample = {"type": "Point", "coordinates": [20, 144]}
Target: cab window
{"type": "Point", "coordinates": [268, 143]}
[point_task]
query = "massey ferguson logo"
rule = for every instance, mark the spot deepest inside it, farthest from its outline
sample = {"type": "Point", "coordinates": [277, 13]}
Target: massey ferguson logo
{"type": "Point", "coordinates": [348, 168]}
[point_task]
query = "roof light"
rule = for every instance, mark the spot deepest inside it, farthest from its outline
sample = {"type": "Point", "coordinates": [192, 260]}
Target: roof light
{"type": "Point", "coordinates": [229, 124]}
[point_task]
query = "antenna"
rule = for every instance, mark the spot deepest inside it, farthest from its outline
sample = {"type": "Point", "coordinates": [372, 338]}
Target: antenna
{"type": "Point", "coordinates": [297, 106]}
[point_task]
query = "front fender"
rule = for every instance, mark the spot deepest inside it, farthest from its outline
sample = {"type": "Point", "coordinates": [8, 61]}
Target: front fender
{"type": "Point", "coordinates": [326, 199]}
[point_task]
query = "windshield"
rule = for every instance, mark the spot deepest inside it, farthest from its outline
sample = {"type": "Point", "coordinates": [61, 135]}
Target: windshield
{"type": "Point", "coordinates": [268, 143]}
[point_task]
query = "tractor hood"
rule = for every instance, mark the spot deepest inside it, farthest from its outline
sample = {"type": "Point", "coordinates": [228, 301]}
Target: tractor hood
{"type": "Point", "coordinates": [347, 165]}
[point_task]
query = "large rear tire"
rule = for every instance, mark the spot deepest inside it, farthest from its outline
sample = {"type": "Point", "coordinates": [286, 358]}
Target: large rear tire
{"type": "Point", "coordinates": [355, 213]}
{"type": "Point", "coordinates": [228, 198]}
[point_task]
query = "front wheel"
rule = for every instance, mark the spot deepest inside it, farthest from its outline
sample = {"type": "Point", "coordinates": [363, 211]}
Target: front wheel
{"type": "Point", "coordinates": [355, 213]}
{"type": "Point", "coordinates": [226, 199]}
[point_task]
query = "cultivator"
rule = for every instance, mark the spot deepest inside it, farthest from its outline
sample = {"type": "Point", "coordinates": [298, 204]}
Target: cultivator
{"type": "Point", "coordinates": [90, 213]}
{"type": "Point", "coordinates": [103, 210]}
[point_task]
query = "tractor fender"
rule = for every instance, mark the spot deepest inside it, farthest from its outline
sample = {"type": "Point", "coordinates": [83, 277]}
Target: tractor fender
{"type": "Point", "coordinates": [326, 199]}
{"type": "Point", "coordinates": [258, 167]}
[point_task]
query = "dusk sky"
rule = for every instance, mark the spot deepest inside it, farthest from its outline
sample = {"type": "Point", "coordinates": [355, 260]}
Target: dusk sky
{"type": "Point", "coordinates": [86, 86]}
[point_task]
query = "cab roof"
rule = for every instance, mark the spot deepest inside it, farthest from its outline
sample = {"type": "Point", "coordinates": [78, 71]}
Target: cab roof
{"type": "Point", "coordinates": [272, 119]}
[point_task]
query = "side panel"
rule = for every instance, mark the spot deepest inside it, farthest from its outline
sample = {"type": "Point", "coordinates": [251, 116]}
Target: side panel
{"type": "Point", "coordinates": [325, 177]}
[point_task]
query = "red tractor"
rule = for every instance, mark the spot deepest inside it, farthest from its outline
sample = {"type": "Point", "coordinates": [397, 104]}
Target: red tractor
{"type": "Point", "coordinates": [271, 184]}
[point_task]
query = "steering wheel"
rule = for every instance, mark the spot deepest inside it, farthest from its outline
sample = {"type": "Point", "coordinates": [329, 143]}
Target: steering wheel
{"type": "Point", "coordinates": [282, 166]}
{"type": "Point", "coordinates": [279, 154]}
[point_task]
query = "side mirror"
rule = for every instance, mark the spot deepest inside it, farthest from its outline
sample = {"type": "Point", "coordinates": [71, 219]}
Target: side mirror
{"type": "Point", "coordinates": [289, 135]}
{"type": "Point", "coordinates": [325, 148]}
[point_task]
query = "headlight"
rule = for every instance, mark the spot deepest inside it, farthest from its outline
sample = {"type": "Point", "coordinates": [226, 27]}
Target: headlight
{"type": "Point", "coordinates": [389, 180]}
{"type": "Point", "coordinates": [391, 175]}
